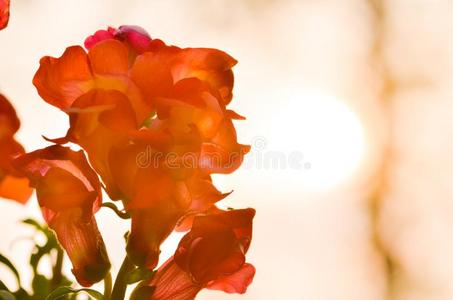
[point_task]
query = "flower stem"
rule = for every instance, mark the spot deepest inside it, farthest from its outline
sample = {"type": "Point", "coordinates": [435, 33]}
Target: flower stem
{"type": "Point", "coordinates": [56, 272]}
{"type": "Point", "coordinates": [108, 286]}
{"type": "Point", "coordinates": [119, 289]}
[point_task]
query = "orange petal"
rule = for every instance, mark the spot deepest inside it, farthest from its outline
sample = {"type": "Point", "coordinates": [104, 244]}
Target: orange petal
{"type": "Point", "coordinates": [69, 194]}
{"type": "Point", "coordinates": [190, 103]}
{"type": "Point", "coordinates": [9, 149]}
{"type": "Point", "coordinates": [80, 237]}
{"type": "Point", "coordinates": [151, 200]}
{"type": "Point", "coordinates": [124, 163]}
{"type": "Point", "coordinates": [60, 81]}
{"type": "Point", "coordinates": [217, 159]}
{"type": "Point", "coordinates": [202, 196]}
{"type": "Point", "coordinates": [150, 227]}
{"type": "Point", "coordinates": [109, 108]}
{"type": "Point", "coordinates": [58, 183]}
{"type": "Point", "coordinates": [234, 115]}
{"type": "Point", "coordinates": [148, 136]}
{"type": "Point", "coordinates": [99, 121]}
{"type": "Point", "coordinates": [109, 57]}
{"type": "Point", "coordinates": [12, 185]}
{"type": "Point", "coordinates": [63, 178]}
{"type": "Point", "coordinates": [216, 245]}
{"type": "Point", "coordinates": [9, 122]}
{"type": "Point", "coordinates": [236, 282]}
{"type": "Point", "coordinates": [15, 188]}
{"type": "Point", "coordinates": [151, 74]}
{"type": "Point", "coordinates": [210, 256]}
{"type": "Point", "coordinates": [222, 153]}
{"type": "Point", "coordinates": [209, 65]}
{"type": "Point", "coordinates": [172, 283]}
{"type": "Point", "coordinates": [138, 170]}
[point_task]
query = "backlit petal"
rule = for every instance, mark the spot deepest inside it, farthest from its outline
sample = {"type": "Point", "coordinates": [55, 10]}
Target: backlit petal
{"type": "Point", "coordinates": [109, 57]}
{"type": "Point", "coordinates": [210, 65]}
{"type": "Point", "coordinates": [69, 194]}
{"type": "Point", "coordinates": [60, 81]}
{"type": "Point", "coordinates": [15, 188]}
{"type": "Point", "coordinates": [9, 122]}
{"type": "Point", "coordinates": [236, 282]}
{"type": "Point", "coordinates": [172, 283]}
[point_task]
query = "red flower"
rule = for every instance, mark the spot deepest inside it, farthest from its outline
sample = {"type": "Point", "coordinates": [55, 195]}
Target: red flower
{"type": "Point", "coordinates": [12, 184]}
{"type": "Point", "coordinates": [133, 98]}
{"type": "Point", "coordinates": [135, 37]}
{"type": "Point", "coordinates": [211, 255]}
{"type": "Point", "coordinates": [4, 13]}
{"type": "Point", "coordinates": [69, 194]}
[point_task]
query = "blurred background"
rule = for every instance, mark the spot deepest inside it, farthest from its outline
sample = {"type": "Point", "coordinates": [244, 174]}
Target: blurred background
{"type": "Point", "coordinates": [349, 107]}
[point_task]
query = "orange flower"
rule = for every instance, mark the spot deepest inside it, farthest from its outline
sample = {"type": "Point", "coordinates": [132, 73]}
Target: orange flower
{"type": "Point", "coordinates": [156, 200]}
{"type": "Point", "coordinates": [69, 194]}
{"type": "Point", "coordinates": [187, 88]}
{"type": "Point", "coordinates": [4, 13]}
{"type": "Point", "coordinates": [211, 255]}
{"type": "Point", "coordinates": [132, 98]}
{"type": "Point", "coordinates": [12, 185]}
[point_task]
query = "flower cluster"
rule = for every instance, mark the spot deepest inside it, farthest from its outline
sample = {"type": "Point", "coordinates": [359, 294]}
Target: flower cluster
{"type": "Point", "coordinates": [126, 95]}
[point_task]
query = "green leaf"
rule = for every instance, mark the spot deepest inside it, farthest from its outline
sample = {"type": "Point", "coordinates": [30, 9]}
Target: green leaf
{"type": "Point", "coordinates": [121, 214]}
{"type": "Point", "coordinates": [41, 286]}
{"type": "Point", "coordinates": [139, 274]}
{"type": "Point", "coordinates": [10, 265]}
{"type": "Point", "coordinates": [5, 295]}
{"type": "Point", "coordinates": [40, 251]}
{"type": "Point", "coordinates": [35, 224]}
{"type": "Point", "coordinates": [60, 292]}
{"type": "Point", "coordinates": [63, 282]}
{"type": "Point", "coordinates": [22, 294]}
{"type": "Point", "coordinates": [42, 228]}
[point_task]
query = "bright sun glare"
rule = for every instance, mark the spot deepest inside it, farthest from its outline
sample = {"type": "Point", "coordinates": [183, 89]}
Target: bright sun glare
{"type": "Point", "coordinates": [326, 131]}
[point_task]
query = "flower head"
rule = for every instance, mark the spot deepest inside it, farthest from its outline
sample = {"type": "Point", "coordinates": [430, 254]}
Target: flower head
{"type": "Point", "coordinates": [131, 98]}
{"type": "Point", "coordinates": [69, 194]}
{"type": "Point", "coordinates": [211, 255]}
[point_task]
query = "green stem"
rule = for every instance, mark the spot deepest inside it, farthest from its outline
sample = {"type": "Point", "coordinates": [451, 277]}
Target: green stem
{"type": "Point", "coordinates": [119, 289]}
{"type": "Point", "coordinates": [57, 268]}
{"type": "Point", "coordinates": [108, 286]}
{"type": "Point", "coordinates": [123, 215]}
